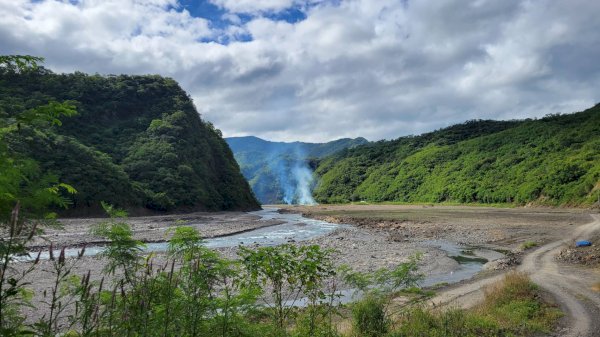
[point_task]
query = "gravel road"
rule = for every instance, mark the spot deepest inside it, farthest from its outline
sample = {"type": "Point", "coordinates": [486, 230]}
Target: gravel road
{"type": "Point", "coordinates": [570, 285]}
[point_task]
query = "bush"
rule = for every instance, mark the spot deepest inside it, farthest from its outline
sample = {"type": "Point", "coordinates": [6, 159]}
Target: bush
{"type": "Point", "coordinates": [515, 304]}
{"type": "Point", "coordinates": [369, 317]}
{"type": "Point", "coordinates": [528, 244]}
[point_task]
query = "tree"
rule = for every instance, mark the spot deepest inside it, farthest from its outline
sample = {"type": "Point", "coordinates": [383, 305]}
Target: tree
{"type": "Point", "coordinates": [25, 194]}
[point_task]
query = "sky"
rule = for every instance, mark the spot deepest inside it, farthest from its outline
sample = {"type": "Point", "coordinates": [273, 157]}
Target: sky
{"type": "Point", "coordinates": [318, 70]}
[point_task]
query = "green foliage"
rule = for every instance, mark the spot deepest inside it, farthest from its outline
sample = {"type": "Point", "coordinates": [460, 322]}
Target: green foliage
{"type": "Point", "coordinates": [550, 161]}
{"type": "Point", "coordinates": [19, 63]}
{"type": "Point", "coordinates": [372, 316]}
{"type": "Point", "coordinates": [511, 307]}
{"type": "Point", "coordinates": [289, 272]}
{"type": "Point", "coordinates": [450, 323]}
{"type": "Point", "coordinates": [369, 317]}
{"type": "Point", "coordinates": [25, 195]}
{"type": "Point", "coordinates": [123, 252]}
{"type": "Point", "coordinates": [201, 297]}
{"type": "Point", "coordinates": [528, 244]}
{"type": "Point", "coordinates": [316, 322]}
{"type": "Point", "coordinates": [384, 281]}
{"type": "Point", "coordinates": [136, 142]}
{"type": "Point", "coordinates": [515, 304]}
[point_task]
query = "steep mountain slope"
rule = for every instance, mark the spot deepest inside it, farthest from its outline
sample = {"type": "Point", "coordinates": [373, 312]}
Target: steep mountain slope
{"type": "Point", "coordinates": [136, 142]}
{"type": "Point", "coordinates": [281, 172]}
{"type": "Point", "coordinates": [554, 161]}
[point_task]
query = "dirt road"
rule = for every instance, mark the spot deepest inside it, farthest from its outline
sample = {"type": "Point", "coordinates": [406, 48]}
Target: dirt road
{"type": "Point", "coordinates": [571, 286]}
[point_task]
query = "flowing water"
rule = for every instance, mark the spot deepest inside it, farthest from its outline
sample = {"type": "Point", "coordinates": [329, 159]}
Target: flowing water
{"type": "Point", "coordinates": [295, 228]}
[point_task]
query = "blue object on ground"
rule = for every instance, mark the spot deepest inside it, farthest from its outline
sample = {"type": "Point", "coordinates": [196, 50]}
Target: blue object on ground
{"type": "Point", "coordinates": [582, 243]}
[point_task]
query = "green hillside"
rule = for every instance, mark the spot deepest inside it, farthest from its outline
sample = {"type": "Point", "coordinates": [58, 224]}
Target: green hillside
{"type": "Point", "coordinates": [281, 172]}
{"type": "Point", "coordinates": [136, 142]}
{"type": "Point", "coordinates": [551, 161]}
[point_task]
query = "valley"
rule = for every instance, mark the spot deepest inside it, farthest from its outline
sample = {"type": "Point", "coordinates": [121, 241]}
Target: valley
{"type": "Point", "coordinates": [123, 212]}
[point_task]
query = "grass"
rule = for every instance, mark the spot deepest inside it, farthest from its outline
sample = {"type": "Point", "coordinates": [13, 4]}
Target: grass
{"type": "Point", "coordinates": [528, 244]}
{"type": "Point", "coordinates": [516, 305]}
{"type": "Point", "coordinates": [512, 307]}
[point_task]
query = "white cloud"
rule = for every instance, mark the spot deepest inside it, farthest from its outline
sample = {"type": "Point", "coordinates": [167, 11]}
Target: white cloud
{"type": "Point", "coordinates": [372, 68]}
{"type": "Point", "coordinates": [253, 6]}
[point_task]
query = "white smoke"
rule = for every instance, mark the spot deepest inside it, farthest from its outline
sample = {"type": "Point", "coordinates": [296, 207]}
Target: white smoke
{"type": "Point", "coordinates": [304, 179]}
{"type": "Point", "coordinates": [295, 176]}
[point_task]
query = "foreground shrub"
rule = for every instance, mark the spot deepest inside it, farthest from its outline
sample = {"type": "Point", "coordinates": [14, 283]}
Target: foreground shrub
{"type": "Point", "coordinates": [316, 322]}
{"type": "Point", "coordinates": [369, 317]}
{"type": "Point", "coordinates": [451, 323]}
{"type": "Point", "coordinates": [512, 307]}
{"type": "Point", "coordinates": [516, 304]}
{"type": "Point", "coordinates": [291, 274]}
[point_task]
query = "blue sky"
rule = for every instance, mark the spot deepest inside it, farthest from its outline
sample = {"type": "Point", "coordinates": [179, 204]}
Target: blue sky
{"type": "Point", "coordinates": [215, 13]}
{"type": "Point", "coordinates": [317, 70]}
{"type": "Point", "coordinates": [220, 17]}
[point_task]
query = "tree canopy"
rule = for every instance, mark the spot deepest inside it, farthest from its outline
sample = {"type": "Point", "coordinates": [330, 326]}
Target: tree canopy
{"type": "Point", "coordinates": [136, 142]}
{"type": "Point", "coordinates": [551, 161]}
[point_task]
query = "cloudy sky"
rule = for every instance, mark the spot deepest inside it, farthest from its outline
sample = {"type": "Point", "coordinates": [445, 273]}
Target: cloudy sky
{"type": "Point", "coordinates": [316, 70]}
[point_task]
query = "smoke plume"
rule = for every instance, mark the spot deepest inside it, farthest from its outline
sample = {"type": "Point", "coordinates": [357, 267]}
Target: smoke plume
{"type": "Point", "coordinates": [294, 175]}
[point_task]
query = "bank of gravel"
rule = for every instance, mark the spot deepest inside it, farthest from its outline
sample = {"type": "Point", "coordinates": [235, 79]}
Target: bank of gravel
{"type": "Point", "coordinates": [77, 232]}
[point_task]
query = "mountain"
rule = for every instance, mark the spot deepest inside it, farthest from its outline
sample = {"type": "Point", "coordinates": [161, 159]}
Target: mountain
{"type": "Point", "coordinates": [554, 160]}
{"type": "Point", "coordinates": [137, 142]}
{"type": "Point", "coordinates": [283, 172]}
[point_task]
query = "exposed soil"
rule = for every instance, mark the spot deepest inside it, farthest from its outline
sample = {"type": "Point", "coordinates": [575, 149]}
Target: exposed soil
{"type": "Point", "coordinates": [499, 227]}
{"type": "Point", "coordinates": [575, 288]}
{"type": "Point", "coordinates": [367, 250]}
{"type": "Point", "coordinates": [589, 256]}
{"type": "Point", "coordinates": [571, 286]}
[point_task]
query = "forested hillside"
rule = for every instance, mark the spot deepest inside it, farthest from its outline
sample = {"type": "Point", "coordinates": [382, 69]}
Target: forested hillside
{"type": "Point", "coordinates": [551, 161]}
{"type": "Point", "coordinates": [282, 172]}
{"type": "Point", "coordinates": [136, 142]}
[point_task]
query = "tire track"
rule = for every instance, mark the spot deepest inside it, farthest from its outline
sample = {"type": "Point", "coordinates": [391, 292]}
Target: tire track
{"type": "Point", "coordinates": [567, 286]}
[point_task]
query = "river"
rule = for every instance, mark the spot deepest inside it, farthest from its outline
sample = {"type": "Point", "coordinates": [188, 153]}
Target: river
{"type": "Point", "coordinates": [296, 228]}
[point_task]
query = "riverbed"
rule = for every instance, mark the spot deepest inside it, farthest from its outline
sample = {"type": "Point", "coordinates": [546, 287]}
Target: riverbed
{"type": "Point", "coordinates": [362, 249]}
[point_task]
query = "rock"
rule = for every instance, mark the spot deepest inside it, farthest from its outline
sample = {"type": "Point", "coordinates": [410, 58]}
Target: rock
{"type": "Point", "coordinates": [582, 255]}
{"type": "Point", "coordinates": [512, 259]}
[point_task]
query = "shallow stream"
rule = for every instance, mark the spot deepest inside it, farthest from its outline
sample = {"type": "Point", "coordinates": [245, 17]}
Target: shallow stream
{"type": "Point", "coordinates": [295, 228]}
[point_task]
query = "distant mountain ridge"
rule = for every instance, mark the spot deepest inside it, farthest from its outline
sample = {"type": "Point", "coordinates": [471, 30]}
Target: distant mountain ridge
{"type": "Point", "coordinates": [312, 150]}
{"type": "Point", "coordinates": [551, 161]}
{"type": "Point", "coordinates": [281, 172]}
